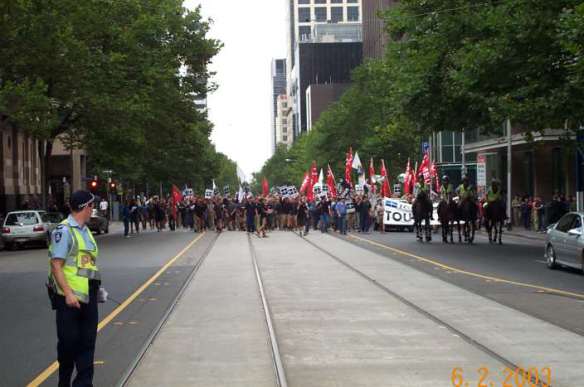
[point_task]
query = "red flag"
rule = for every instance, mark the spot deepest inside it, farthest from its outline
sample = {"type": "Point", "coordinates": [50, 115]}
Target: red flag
{"type": "Point", "coordinates": [312, 182]}
{"type": "Point", "coordinates": [330, 182]}
{"type": "Point", "coordinates": [349, 166]}
{"type": "Point", "coordinates": [305, 183]}
{"type": "Point", "coordinates": [371, 176]}
{"type": "Point", "coordinates": [434, 175]}
{"type": "Point", "coordinates": [176, 197]}
{"type": "Point", "coordinates": [424, 169]}
{"type": "Point", "coordinates": [408, 179]}
{"type": "Point", "coordinates": [265, 187]}
{"type": "Point", "coordinates": [176, 194]}
{"type": "Point", "coordinates": [385, 189]}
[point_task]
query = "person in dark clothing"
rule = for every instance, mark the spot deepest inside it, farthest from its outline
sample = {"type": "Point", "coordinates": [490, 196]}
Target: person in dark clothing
{"type": "Point", "coordinates": [364, 209]}
{"type": "Point", "coordinates": [250, 214]}
{"type": "Point", "coordinates": [302, 217]}
{"type": "Point", "coordinates": [324, 207]}
{"type": "Point", "coordinates": [262, 212]}
{"type": "Point", "coordinates": [126, 218]}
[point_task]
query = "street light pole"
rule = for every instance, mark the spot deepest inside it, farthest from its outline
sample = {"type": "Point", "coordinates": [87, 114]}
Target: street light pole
{"type": "Point", "coordinates": [579, 177]}
{"type": "Point", "coordinates": [509, 169]}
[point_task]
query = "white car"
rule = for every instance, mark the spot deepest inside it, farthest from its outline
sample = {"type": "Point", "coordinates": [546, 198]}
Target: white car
{"type": "Point", "coordinates": [22, 227]}
{"type": "Point", "coordinates": [564, 242]}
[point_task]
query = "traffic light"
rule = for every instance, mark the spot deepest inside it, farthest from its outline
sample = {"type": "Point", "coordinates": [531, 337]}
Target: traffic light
{"type": "Point", "coordinates": [93, 185]}
{"type": "Point", "coordinates": [112, 186]}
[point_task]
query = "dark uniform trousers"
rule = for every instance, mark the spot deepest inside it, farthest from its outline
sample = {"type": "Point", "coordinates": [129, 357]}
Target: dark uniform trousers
{"type": "Point", "coordinates": [76, 332]}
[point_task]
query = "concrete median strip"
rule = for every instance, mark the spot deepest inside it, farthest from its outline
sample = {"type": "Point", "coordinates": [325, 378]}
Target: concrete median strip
{"type": "Point", "coordinates": [522, 339]}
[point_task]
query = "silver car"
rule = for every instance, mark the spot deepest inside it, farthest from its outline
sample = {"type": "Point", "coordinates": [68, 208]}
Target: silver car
{"type": "Point", "coordinates": [565, 243]}
{"type": "Point", "coordinates": [22, 227]}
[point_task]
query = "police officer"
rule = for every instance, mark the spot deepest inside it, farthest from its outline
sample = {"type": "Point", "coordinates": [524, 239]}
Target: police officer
{"type": "Point", "coordinates": [421, 186]}
{"type": "Point", "coordinates": [74, 280]}
{"type": "Point", "coordinates": [494, 193]}
{"type": "Point", "coordinates": [465, 190]}
{"type": "Point", "coordinates": [446, 190]}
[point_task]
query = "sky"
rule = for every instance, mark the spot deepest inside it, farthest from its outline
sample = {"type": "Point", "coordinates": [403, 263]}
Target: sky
{"type": "Point", "coordinates": [253, 33]}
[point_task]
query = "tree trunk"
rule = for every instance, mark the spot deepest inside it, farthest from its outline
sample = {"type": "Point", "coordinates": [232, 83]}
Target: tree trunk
{"type": "Point", "coordinates": [45, 151]}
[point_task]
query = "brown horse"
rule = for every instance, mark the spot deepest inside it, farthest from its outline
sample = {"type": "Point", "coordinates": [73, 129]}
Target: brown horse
{"type": "Point", "coordinates": [422, 211]}
{"type": "Point", "coordinates": [447, 215]}
{"type": "Point", "coordinates": [495, 216]}
{"type": "Point", "coordinates": [468, 214]}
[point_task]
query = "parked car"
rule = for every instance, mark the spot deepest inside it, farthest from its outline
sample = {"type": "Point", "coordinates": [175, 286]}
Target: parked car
{"type": "Point", "coordinates": [565, 243]}
{"type": "Point", "coordinates": [52, 219]}
{"type": "Point", "coordinates": [21, 227]}
{"type": "Point", "coordinates": [98, 223]}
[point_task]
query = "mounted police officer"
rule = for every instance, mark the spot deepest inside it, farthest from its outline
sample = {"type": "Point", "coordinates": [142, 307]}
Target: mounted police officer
{"type": "Point", "coordinates": [74, 281]}
{"type": "Point", "coordinates": [422, 187]}
{"type": "Point", "coordinates": [494, 193]}
{"type": "Point", "coordinates": [446, 190]}
{"type": "Point", "coordinates": [465, 190]}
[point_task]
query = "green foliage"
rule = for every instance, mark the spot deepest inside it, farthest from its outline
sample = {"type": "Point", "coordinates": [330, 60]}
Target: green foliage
{"type": "Point", "coordinates": [116, 77]}
{"type": "Point", "coordinates": [453, 65]}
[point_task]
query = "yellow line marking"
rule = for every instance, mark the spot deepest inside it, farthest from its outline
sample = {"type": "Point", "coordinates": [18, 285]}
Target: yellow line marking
{"type": "Point", "coordinates": [99, 362]}
{"type": "Point", "coordinates": [43, 376]}
{"type": "Point", "coordinates": [470, 273]}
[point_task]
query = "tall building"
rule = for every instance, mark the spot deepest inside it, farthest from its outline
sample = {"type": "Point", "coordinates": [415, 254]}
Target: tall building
{"type": "Point", "coordinates": [278, 88]}
{"type": "Point", "coordinates": [317, 64]}
{"type": "Point", "coordinates": [284, 134]}
{"type": "Point", "coordinates": [317, 22]}
{"type": "Point", "coordinates": [374, 36]}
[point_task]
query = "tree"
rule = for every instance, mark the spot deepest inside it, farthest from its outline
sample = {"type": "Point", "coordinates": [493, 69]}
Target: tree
{"type": "Point", "coordinates": [116, 77]}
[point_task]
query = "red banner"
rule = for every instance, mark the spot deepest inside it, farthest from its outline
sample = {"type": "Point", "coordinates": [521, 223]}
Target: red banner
{"type": "Point", "coordinates": [372, 176]}
{"type": "Point", "coordinates": [385, 188]}
{"type": "Point", "coordinates": [349, 166]}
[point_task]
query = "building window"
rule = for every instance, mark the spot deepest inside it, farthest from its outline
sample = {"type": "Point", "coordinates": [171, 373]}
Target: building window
{"type": "Point", "coordinates": [284, 138]}
{"type": "Point", "coordinates": [304, 33]}
{"type": "Point", "coordinates": [352, 1]}
{"type": "Point", "coordinates": [337, 1]}
{"type": "Point", "coordinates": [319, 1]}
{"type": "Point", "coordinates": [320, 14]}
{"type": "Point", "coordinates": [304, 15]}
{"type": "Point", "coordinates": [303, 1]}
{"type": "Point", "coordinates": [336, 14]}
{"type": "Point", "coordinates": [353, 13]}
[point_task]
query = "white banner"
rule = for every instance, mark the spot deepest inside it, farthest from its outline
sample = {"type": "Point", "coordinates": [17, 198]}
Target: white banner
{"type": "Point", "coordinates": [208, 193]}
{"type": "Point", "coordinates": [399, 213]}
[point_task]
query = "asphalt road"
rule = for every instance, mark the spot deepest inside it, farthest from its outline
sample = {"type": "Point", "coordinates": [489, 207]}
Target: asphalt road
{"type": "Point", "coordinates": [517, 273]}
{"type": "Point", "coordinates": [513, 274]}
{"type": "Point", "coordinates": [28, 338]}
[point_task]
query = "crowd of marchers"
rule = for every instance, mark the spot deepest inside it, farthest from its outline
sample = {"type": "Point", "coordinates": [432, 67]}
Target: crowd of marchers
{"type": "Point", "coordinates": [255, 214]}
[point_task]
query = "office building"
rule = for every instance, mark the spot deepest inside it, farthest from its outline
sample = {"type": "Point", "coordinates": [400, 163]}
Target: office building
{"type": "Point", "coordinates": [317, 22]}
{"type": "Point", "coordinates": [278, 75]}
{"type": "Point", "coordinates": [374, 35]}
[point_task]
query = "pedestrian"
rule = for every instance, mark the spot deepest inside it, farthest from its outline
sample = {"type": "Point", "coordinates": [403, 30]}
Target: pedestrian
{"type": "Point", "coordinates": [302, 219]}
{"type": "Point", "coordinates": [103, 208]}
{"type": "Point", "coordinates": [324, 205]}
{"type": "Point", "coordinates": [126, 218]}
{"type": "Point", "coordinates": [341, 211]}
{"type": "Point", "coordinates": [364, 209]}
{"type": "Point", "coordinates": [74, 282]}
{"type": "Point", "coordinates": [250, 214]}
{"type": "Point", "coordinates": [379, 214]}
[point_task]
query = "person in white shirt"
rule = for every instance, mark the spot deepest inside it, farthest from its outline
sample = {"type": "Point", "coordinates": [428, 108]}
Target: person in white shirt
{"type": "Point", "coordinates": [103, 207]}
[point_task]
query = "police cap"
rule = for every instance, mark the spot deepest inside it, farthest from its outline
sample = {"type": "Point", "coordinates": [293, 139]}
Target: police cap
{"type": "Point", "coordinates": [81, 199]}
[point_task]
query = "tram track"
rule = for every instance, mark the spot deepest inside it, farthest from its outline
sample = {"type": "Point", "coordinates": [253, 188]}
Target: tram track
{"type": "Point", "coordinates": [474, 343]}
{"type": "Point", "coordinates": [280, 373]}
{"type": "Point", "coordinates": [127, 375]}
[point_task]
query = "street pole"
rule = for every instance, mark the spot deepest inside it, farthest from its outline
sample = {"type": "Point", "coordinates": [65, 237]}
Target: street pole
{"type": "Point", "coordinates": [463, 164]}
{"type": "Point", "coordinates": [579, 177]}
{"type": "Point", "coordinates": [509, 160]}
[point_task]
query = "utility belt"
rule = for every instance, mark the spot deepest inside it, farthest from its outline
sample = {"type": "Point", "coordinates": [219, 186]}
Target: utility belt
{"type": "Point", "coordinates": [94, 287]}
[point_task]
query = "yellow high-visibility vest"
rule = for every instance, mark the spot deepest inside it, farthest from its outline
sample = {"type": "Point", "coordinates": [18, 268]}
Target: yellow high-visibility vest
{"type": "Point", "coordinates": [80, 265]}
